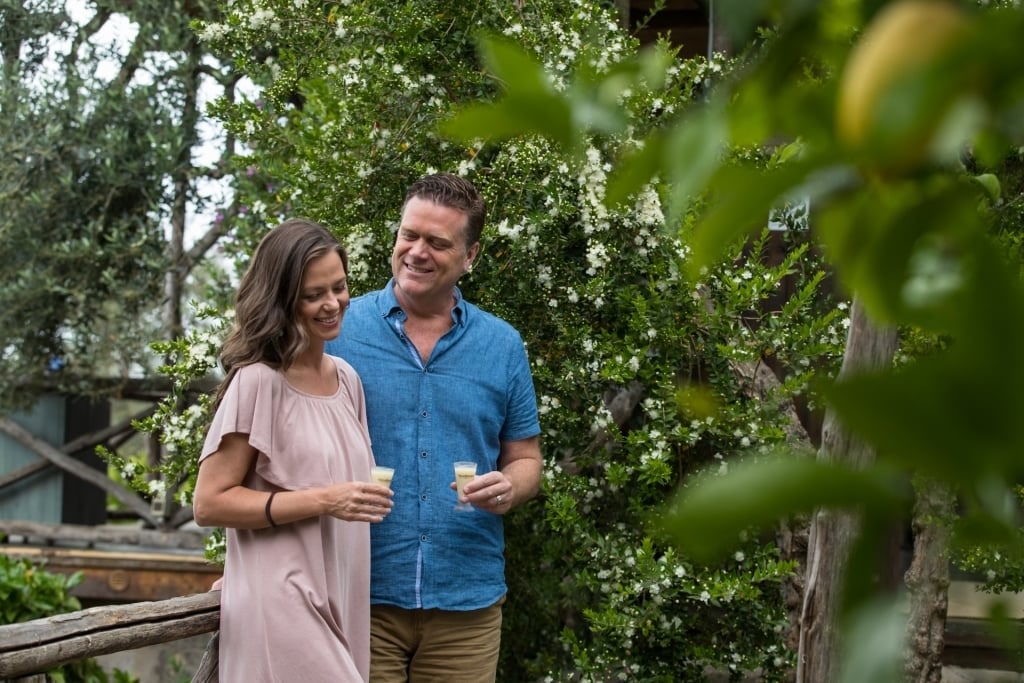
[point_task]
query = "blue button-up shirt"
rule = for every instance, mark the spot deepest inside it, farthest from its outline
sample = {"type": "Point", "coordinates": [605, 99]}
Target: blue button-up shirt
{"type": "Point", "coordinates": [474, 392]}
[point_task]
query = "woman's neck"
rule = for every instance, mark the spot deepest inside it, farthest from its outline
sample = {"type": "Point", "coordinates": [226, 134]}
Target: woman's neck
{"type": "Point", "coordinates": [314, 373]}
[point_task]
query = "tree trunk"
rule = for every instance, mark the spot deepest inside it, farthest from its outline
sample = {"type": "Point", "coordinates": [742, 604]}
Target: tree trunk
{"type": "Point", "coordinates": [833, 532]}
{"type": "Point", "coordinates": [927, 581]}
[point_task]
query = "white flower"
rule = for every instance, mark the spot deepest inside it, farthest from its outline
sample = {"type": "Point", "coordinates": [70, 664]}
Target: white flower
{"type": "Point", "coordinates": [260, 18]}
{"type": "Point", "coordinates": [597, 257]}
{"type": "Point", "coordinates": [212, 31]}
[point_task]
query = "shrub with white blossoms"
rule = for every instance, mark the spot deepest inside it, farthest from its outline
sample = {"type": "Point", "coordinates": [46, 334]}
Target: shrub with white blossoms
{"type": "Point", "coordinates": [180, 419]}
{"type": "Point", "coordinates": [350, 95]}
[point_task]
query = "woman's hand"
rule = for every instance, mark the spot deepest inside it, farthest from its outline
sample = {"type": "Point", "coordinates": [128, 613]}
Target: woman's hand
{"type": "Point", "coordinates": [357, 501]}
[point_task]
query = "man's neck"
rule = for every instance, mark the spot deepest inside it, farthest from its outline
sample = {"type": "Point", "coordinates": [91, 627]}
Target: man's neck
{"type": "Point", "coordinates": [427, 309]}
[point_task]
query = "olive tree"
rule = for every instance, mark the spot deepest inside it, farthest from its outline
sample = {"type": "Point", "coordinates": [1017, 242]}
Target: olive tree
{"type": "Point", "coordinates": [101, 180]}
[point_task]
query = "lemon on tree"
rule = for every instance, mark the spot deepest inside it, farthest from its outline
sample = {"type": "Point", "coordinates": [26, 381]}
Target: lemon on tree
{"type": "Point", "coordinates": [905, 37]}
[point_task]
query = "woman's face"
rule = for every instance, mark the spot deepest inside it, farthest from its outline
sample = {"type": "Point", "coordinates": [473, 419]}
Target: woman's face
{"type": "Point", "coordinates": [324, 297]}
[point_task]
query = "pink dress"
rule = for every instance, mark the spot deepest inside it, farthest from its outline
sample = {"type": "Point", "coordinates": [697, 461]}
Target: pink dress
{"type": "Point", "coordinates": [295, 600]}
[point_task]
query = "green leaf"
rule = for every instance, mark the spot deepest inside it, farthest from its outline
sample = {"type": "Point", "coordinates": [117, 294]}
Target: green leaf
{"type": "Point", "coordinates": [590, 113]}
{"type": "Point", "coordinates": [507, 118]}
{"type": "Point", "coordinates": [989, 183]}
{"type": "Point", "coordinates": [635, 169]}
{"type": "Point", "coordinates": [713, 510]}
{"type": "Point", "coordinates": [880, 239]}
{"type": "Point", "coordinates": [874, 643]}
{"type": "Point", "coordinates": [740, 199]}
{"type": "Point", "coordinates": [530, 103]}
{"type": "Point", "coordinates": [692, 153]}
{"type": "Point", "coordinates": [947, 416]}
{"type": "Point", "coordinates": [513, 66]}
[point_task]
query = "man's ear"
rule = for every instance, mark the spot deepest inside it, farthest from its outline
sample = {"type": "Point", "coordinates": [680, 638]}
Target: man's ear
{"type": "Point", "coordinates": [471, 255]}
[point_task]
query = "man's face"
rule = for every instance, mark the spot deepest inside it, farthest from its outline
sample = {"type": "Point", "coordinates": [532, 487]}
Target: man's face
{"type": "Point", "coordinates": [430, 253]}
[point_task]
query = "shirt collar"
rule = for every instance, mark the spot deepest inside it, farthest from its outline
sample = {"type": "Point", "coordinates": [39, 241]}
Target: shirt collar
{"type": "Point", "coordinates": [389, 306]}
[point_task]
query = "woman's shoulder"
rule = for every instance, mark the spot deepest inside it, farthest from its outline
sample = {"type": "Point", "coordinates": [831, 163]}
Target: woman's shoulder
{"type": "Point", "coordinates": [259, 369]}
{"type": "Point", "coordinates": [344, 368]}
{"type": "Point", "coordinates": [258, 375]}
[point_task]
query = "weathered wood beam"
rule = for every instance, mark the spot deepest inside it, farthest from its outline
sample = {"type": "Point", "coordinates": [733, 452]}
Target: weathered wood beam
{"type": "Point", "coordinates": [92, 439]}
{"type": "Point", "coordinates": [41, 644]}
{"type": "Point", "coordinates": [971, 643]}
{"type": "Point", "coordinates": [85, 441]}
{"type": "Point", "coordinates": [79, 469]}
{"type": "Point", "coordinates": [123, 577]}
{"type": "Point", "coordinates": [24, 472]}
{"type": "Point", "coordinates": [90, 535]}
{"type": "Point", "coordinates": [145, 389]}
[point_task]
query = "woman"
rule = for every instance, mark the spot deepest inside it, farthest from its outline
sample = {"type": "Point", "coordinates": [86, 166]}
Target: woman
{"type": "Point", "coordinates": [286, 469]}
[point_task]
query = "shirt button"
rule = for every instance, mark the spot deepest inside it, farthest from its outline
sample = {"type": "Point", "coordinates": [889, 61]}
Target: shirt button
{"type": "Point", "coordinates": [423, 414]}
{"type": "Point", "coordinates": [423, 537]}
{"type": "Point", "coordinates": [423, 454]}
{"type": "Point", "coordinates": [423, 497]}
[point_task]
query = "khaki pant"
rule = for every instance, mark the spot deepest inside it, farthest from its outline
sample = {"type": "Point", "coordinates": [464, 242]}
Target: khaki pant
{"type": "Point", "coordinates": [434, 646]}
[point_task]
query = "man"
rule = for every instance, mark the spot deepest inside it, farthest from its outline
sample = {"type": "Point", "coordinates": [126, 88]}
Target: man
{"type": "Point", "coordinates": [444, 382]}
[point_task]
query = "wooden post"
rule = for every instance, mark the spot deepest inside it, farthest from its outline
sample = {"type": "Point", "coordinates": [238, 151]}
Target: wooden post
{"type": "Point", "coordinates": [209, 665]}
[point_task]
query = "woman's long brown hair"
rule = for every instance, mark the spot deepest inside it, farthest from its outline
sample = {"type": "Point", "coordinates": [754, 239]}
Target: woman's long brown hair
{"type": "Point", "coordinates": [265, 328]}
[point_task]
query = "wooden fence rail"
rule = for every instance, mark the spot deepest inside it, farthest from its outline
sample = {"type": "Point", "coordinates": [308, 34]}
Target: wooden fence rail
{"type": "Point", "coordinates": [32, 647]}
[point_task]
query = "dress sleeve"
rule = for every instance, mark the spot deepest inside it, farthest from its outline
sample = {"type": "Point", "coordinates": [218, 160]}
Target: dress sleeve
{"type": "Point", "coordinates": [246, 408]}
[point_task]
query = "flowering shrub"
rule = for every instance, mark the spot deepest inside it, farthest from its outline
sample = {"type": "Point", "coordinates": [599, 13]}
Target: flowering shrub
{"type": "Point", "coordinates": [637, 371]}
